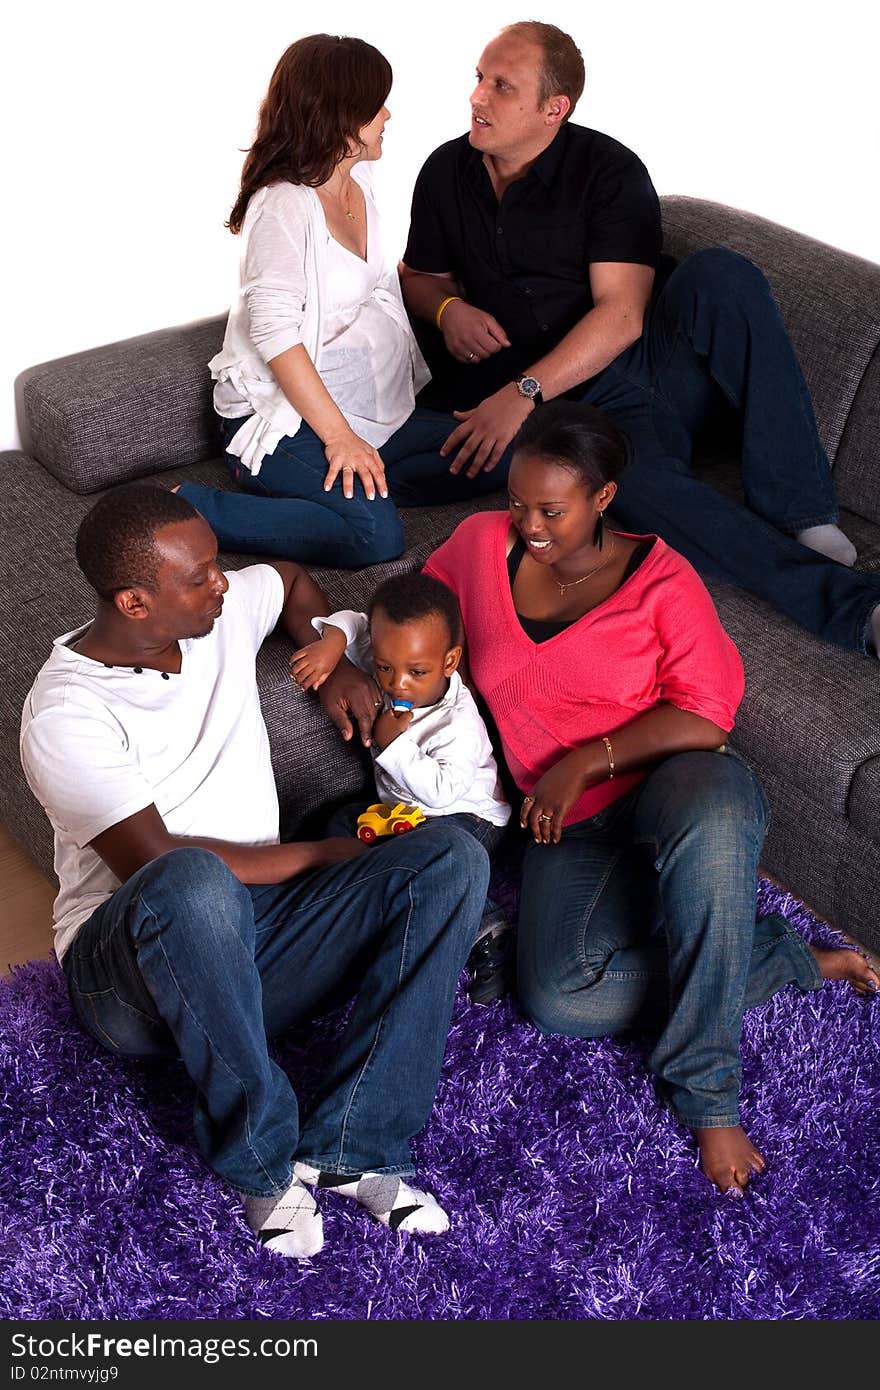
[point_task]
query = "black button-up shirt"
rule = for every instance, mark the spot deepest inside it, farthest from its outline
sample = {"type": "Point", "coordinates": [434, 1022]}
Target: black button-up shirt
{"type": "Point", "coordinates": [526, 259]}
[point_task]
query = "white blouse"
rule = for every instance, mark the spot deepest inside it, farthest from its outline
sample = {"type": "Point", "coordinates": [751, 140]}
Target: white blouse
{"type": "Point", "coordinates": [297, 284]}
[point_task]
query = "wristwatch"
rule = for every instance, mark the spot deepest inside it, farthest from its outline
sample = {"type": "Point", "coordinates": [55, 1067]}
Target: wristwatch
{"type": "Point", "coordinates": [529, 387]}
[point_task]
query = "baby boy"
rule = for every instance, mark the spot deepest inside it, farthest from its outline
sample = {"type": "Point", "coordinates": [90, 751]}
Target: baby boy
{"type": "Point", "coordinates": [430, 744]}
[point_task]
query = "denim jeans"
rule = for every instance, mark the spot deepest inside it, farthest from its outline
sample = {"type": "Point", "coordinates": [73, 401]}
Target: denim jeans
{"type": "Point", "coordinates": [344, 822]}
{"type": "Point", "coordinates": [644, 917]}
{"type": "Point", "coordinates": [183, 958]}
{"type": "Point", "coordinates": [713, 333]}
{"type": "Point", "coordinates": [284, 511]}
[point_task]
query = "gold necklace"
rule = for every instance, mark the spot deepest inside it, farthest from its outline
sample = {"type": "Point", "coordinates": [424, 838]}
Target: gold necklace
{"type": "Point", "coordinates": [342, 202]}
{"type": "Point", "coordinates": [589, 574]}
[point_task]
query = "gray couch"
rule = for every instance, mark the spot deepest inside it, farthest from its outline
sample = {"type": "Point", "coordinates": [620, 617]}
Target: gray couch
{"type": "Point", "coordinates": [810, 721]}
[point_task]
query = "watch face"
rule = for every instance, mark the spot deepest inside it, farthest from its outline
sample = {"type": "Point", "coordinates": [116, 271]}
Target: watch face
{"type": "Point", "coordinates": [528, 386]}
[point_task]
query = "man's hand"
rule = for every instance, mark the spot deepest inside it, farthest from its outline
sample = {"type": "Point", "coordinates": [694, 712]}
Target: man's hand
{"type": "Point", "coordinates": [390, 725]}
{"type": "Point", "coordinates": [311, 665]}
{"type": "Point", "coordinates": [350, 694]}
{"type": "Point", "coordinates": [335, 849]}
{"type": "Point", "coordinates": [348, 454]}
{"type": "Point", "coordinates": [470, 334]}
{"type": "Point", "coordinates": [486, 431]}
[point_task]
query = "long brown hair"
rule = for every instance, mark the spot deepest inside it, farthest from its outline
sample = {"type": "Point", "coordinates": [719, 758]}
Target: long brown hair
{"type": "Point", "coordinates": [324, 89]}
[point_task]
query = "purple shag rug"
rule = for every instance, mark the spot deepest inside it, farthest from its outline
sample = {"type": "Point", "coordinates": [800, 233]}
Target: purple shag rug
{"type": "Point", "coordinates": [572, 1194]}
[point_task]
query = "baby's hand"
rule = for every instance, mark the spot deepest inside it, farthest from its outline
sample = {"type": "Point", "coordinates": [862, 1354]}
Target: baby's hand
{"type": "Point", "coordinates": [311, 665]}
{"type": "Point", "coordinates": [389, 726]}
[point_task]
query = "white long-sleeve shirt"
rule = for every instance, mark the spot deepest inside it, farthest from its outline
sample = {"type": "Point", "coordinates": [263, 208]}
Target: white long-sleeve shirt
{"type": "Point", "coordinates": [298, 285]}
{"type": "Point", "coordinates": [443, 761]}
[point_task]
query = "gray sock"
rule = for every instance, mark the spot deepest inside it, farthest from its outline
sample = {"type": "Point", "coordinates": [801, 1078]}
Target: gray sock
{"type": "Point", "coordinates": [390, 1199]}
{"type": "Point", "coordinates": [829, 540]}
{"type": "Point", "coordinates": [290, 1224]}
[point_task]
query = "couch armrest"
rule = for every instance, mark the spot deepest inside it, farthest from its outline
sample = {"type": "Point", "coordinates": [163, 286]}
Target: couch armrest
{"type": "Point", "coordinates": [830, 301]}
{"type": "Point", "coordinates": [127, 409]}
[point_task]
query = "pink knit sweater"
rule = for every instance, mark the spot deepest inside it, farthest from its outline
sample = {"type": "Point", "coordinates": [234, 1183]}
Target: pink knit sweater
{"type": "Point", "coordinates": [656, 640]}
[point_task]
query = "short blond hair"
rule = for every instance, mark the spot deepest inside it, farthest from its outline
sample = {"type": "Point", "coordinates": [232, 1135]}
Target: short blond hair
{"type": "Point", "coordinates": [562, 68]}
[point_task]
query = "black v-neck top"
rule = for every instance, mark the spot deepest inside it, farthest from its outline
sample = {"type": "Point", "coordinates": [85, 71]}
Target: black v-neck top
{"type": "Point", "coordinates": [542, 629]}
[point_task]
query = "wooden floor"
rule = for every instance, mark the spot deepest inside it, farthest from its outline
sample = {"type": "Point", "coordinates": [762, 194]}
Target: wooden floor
{"type": "Point", "coordinates": [25, 906]}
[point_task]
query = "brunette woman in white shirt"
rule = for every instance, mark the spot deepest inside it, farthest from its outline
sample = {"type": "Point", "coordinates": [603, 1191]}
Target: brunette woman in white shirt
{"type": "Point", "coordinates": [316, 381]}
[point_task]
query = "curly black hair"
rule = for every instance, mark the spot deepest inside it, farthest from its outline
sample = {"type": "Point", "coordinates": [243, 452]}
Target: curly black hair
{"type": "Point", "coordinates": [408, 597]}
{"type": "Point", "coordinates": [115, 543]}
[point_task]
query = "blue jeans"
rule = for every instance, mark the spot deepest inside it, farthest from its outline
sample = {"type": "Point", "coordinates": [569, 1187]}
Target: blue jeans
{"type": "Point", "coordinates": [644, 917]}
{"type": "Point", "coordinates": [344, 819]}
{"type": "Point", "coordinates": [183, 958]}
{"type": "Point", "coordinates": [713, 334]}
{"type": "Point", "coordinates": [284, 511]}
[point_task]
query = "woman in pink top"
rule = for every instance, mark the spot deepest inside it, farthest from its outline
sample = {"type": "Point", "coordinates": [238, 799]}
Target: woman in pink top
{"type": "Point", "coordinates": [614, 687]}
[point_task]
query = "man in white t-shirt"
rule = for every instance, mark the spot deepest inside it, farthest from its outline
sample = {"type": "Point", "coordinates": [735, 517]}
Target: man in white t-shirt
{"type": "Point", "coordinates": [184, 926]}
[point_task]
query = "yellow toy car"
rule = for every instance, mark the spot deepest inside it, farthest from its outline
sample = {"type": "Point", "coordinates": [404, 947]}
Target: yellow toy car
{"type": "Point", "coordinates": [380, 819]}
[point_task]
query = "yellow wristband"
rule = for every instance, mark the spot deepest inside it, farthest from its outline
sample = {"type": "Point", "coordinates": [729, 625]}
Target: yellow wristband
{"type": "Point", "coordinates": [610, 751]}
{"type": "Point", "coordinates": [450, 299]}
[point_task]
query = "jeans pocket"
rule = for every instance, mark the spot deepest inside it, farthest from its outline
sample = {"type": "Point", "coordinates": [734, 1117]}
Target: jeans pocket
{"type": "Point", "coordinates": [120, 1026]}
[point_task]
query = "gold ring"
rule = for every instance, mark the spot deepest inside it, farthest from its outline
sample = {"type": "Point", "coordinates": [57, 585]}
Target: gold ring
{"type": "Point", "coordinates": [471, 356]}
{"type": "Point", "coordinates": [545, 817]}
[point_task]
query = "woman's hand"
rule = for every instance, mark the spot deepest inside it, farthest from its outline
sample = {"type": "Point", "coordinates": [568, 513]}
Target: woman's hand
{"type": "Point", "coordinates": [311, 665]}
{"type": "Point", "coordinates": [546, 807]}
{"type": "Point", "coordinates": [349, 694]}
{"type": "Point", "coordinates": [348, 454]}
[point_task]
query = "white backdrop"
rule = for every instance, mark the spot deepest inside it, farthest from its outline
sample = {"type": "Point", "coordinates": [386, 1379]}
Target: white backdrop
{"type": "Point", "coordinates": [123, 125]}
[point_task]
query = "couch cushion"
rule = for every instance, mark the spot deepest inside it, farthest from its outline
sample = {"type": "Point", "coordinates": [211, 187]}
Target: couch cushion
{"type": "Point", "coordinates": [810, 708]}
{"type": "Point", "coordinates": [125, 410]}
{"type": "Point", "coordinates": [857, 470]}
{"type": "Point", "coordinates": [829, 299]}
{"type": "Point", "coordinates": [863, 806]}
{"type": "Point", "coordinates": [723, 473]}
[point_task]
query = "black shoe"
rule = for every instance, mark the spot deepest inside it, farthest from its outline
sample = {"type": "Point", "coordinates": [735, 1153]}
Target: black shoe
{"type": "Point", "coordinates": [490, 967]}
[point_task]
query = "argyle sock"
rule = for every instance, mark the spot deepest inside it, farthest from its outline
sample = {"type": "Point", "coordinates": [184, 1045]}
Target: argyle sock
{"type": "Point", "coordinates": [289, 1224]}
{"type": "Point", "coordinates": [385, 1196]}
{"type": "Point", "coordinates": [829, 540]}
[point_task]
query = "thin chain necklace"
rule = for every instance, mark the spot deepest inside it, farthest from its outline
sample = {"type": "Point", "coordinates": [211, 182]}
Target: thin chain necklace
{"type": "Point", "coordinates": [346, 208]}
{"type": "Point", "coordinates": [589, 574]}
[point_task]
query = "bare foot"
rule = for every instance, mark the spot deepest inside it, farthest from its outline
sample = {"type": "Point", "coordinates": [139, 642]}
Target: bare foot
{"type": "Point", "coordinates": [728, 1157]}
{"type": "Point", "coordinates": [842, 963]}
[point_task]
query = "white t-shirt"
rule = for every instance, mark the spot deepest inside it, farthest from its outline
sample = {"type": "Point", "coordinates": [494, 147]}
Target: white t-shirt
{"type": "Point", "coordinates": [443, 761]}
{"type": "Point", "coordinates": [99, 743]}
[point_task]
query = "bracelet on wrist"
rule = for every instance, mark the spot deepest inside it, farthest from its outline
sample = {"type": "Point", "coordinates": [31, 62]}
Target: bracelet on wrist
{"type": "Point", "coordinates": [444, 304]}
{"type": "Point", "coordinates": [610, 751]}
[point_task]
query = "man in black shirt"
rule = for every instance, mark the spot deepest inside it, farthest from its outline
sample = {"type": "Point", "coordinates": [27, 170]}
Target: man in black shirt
{"type": "Point", "coordinates": [531, 271]}
{"type": "Point", "coordinates": [586, 201]}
